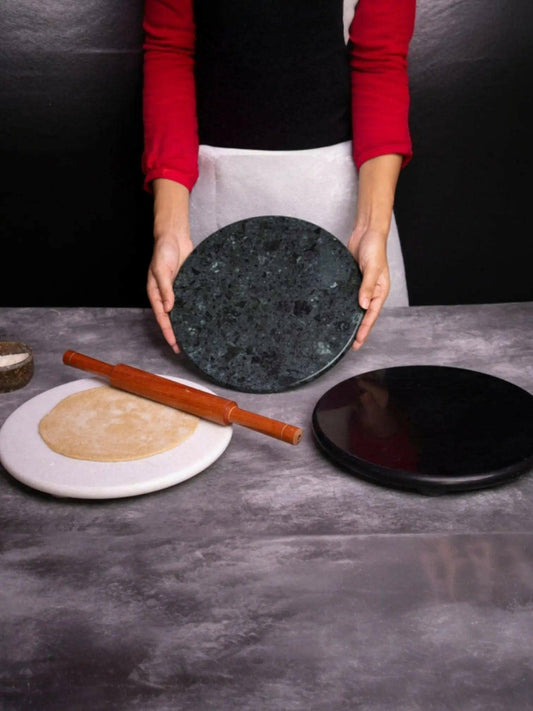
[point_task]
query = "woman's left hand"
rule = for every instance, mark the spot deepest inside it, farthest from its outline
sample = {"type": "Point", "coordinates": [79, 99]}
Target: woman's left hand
{"type": "Point", "coordinates": [368, 244]}
{"type": "Point", "coordinates": [369, 248]}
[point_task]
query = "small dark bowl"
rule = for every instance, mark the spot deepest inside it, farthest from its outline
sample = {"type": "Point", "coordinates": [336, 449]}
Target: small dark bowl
{"type": "Point", "coordinates": [13, 377]}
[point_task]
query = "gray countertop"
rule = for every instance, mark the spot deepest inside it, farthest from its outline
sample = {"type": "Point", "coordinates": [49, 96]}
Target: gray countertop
{"type": "Point", "coordinates": [273, 580]}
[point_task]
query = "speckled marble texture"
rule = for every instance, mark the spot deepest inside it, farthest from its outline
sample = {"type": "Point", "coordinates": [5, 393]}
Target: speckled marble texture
{"type": "Point", "coordinates": [266, 304]}
{"type": "Point", "coordinates": [273, 580]}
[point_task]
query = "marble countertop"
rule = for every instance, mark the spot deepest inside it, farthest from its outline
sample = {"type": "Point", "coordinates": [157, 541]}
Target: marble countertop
{"type": "Point", "coordinates": [273, 580]}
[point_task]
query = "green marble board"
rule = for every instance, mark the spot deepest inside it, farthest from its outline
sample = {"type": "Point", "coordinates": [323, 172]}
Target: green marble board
{"type": "Point", "coordinates": [267, 304]}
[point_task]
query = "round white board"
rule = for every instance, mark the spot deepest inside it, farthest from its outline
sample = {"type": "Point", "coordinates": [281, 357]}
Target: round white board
{"type": "Point", "coordinates": [26, 457]}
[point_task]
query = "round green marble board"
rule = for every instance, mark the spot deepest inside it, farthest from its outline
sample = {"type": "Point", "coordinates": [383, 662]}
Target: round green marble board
{"type": "Point", "coordinates": [267, 304]}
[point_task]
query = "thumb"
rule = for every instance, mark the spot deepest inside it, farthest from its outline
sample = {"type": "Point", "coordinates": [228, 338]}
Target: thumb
{"type": "Point", "coordinates": [368, 286]}
{"type": "Point", "coordinates": [168, 297]}
{"type": "Point", "coordinates": [165, 289]}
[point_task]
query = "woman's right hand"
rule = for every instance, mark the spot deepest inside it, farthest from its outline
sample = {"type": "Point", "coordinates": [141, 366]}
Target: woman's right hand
{"type": "Point", "coordinates": [168, 256]}
{"type": "Point", "coordinates": [172, 246]}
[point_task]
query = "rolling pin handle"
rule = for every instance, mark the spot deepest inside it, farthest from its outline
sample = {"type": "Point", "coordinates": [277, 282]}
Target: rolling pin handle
{"type": "Point", "coordinates": [83, 362]}
{"type": "Point", "coordinates": [265, 425]}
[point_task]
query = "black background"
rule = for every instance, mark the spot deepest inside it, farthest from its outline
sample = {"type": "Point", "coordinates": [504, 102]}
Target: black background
{"type": "Point", "coordinates": [75, 225]}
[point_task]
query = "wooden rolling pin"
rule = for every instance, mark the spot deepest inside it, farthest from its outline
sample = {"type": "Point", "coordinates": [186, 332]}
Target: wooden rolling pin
{"type": "Point", "coordinates": [196, 402]}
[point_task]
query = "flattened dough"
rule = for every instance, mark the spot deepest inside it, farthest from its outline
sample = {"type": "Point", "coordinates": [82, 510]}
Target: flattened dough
{"type": "Point", "coordinates": [105, 424]}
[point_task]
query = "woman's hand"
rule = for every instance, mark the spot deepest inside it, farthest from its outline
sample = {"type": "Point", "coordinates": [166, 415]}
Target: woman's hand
{"type": "Point", "coordinates": [368, 243]}
{"type": "Point", "coordinates": [369, 249]}
{"type": "Point", "coordinates": [168, 256]}
{"type": "Point", "coordinates": [172, 246]}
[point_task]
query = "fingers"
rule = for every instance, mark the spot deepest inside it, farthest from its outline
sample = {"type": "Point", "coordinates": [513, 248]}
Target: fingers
{"type": "Point", "coordinates": [367, 322]}
{"type": "Point", "coordinates": [368, 285]}
{"type": "Point", "coordinates": [372, 295]}
{"type": "Point", "coordinates": [163, 269]}
{"type": "Point", "coordinates": [156, 293]}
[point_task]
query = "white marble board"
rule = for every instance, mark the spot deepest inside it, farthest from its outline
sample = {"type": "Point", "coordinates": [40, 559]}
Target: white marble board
{"type": "Point", "coordinates": [26, 457]}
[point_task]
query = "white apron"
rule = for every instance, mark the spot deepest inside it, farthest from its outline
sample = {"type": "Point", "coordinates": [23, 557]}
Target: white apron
{"type": "Point", "coordinates": [317, 184]}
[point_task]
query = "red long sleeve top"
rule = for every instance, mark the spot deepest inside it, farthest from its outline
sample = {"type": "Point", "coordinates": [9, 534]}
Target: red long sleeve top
{"type": "Point", "coordinates": [377, 53]}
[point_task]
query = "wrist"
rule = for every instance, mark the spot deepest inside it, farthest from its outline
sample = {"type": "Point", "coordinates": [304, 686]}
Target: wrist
{"type": "Point", "coordinates": [171, 229]}
{"type": "Point", "coordinates": [375, 201]}
{"type": "Point", "coordinates": [378, 225]}
{"type": "Point", "coordinates": [172, 237]}
{"type": "Point", "coordinates": [171, 211]}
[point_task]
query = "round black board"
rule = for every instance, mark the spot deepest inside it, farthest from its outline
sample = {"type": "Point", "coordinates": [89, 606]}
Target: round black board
{"type": "Point", "coordinates": [266, 304]}
{"type": "Point", "coordinates": [428, 428]}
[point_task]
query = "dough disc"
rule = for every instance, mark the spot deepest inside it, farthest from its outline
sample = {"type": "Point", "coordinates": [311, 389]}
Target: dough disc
{"type": "Point", "coordinates": [108, 425]}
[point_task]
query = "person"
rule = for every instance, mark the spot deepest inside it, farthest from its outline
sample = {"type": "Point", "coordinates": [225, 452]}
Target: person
{"type": "Point", "coordinates": [255, 108]}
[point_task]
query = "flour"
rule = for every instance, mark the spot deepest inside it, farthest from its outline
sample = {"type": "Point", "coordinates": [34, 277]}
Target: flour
{"type": "Point", "coordinates": [12, 358]}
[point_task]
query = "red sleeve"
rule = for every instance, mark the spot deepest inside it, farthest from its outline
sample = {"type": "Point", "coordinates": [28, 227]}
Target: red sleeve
{"type": "Point", "coordinates": [169, 100]}
{"type": "Point", "coordinates": [379, 40]}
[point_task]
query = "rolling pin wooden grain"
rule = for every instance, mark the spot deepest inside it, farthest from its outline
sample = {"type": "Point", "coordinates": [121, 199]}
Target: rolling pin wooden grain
{"type": "Point", "coordinates": [183, 397]}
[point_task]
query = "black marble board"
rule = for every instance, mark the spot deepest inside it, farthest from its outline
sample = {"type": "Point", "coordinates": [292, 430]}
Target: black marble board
{"type": "Point", "coordinates": [267, 303]}
{"type": "Point", "coordinates": [428, 428]}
